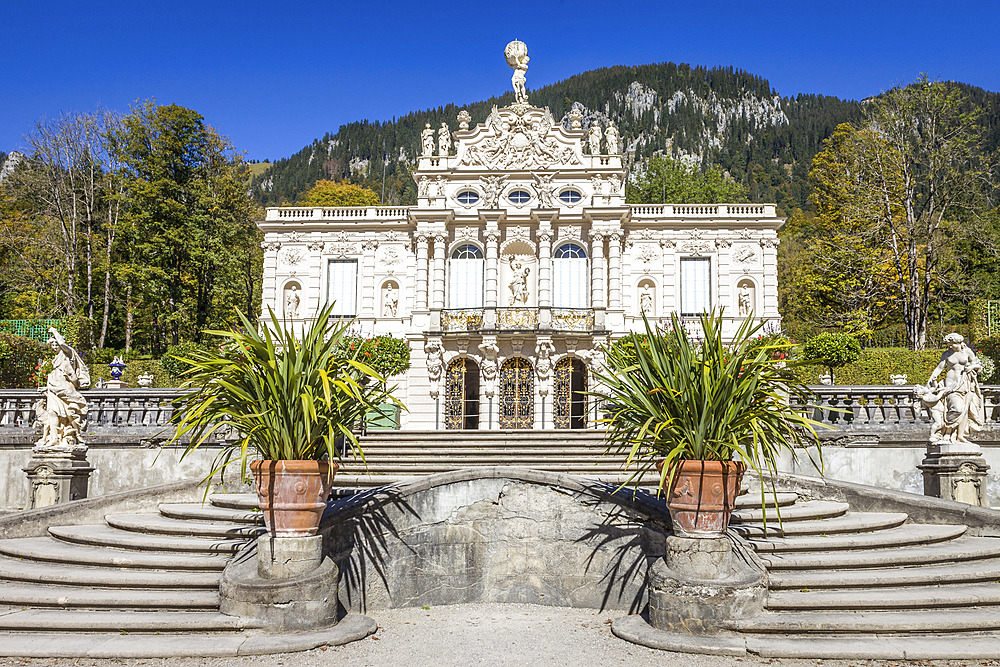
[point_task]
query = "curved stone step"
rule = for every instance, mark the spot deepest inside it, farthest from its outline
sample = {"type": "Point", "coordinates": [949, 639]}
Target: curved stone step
{"type": "Point", "coordinates": [958, 595]}
{"type": "Point", "coordinates": [50, 549]}
{"type": "Point", "coordinates": [157, 524]}
{"type": "Point", "coordinates": [926, 575]}
{"type": "Point", "coordinates": [75, 575]}
{"type": "Point", "coordinates": [199, 512]}
{"type": "Point", "coordinates": [234, 501]}
{"type": "Point", "coordinates": [950, 551]}
{"type": "Point", "coordinates": [91, 620]}
{"type": "Point", "coordinates": [852, 522]}
{"type": "Point", "coordinates": [901, 536]}
{"type": "Point", "coordinates": [126, 598]}
{"type": "Point", "coordinates": [965, 647]}
{"type": "Point", "coordinates": [873, 622]}
{"type": "Point", "coordinates": [106, 536]}
{"type": "Point", "coordinates": [800, 511]}
{"type": "Point", "coordinates": [751, 500]}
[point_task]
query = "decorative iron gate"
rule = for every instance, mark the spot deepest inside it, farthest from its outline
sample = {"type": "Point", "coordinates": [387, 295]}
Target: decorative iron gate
{"type": "Point", "coordinates": [570, 376]}
{"type": "Point", "coordinates": [461, 402]}
{"type": "Point", "coordinates": [517, 394]}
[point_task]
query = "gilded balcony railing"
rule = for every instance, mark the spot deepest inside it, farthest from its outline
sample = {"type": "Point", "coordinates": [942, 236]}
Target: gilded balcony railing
{"type": "Point", "coordinates": [462, 319]}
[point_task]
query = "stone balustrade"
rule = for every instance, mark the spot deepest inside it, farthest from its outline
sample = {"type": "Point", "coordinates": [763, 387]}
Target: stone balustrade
{"type": "Point", "coordinates": [659, 211]}
{"type": "Point", "coordinates": [107, 408]}
{"type": "Point", "coordinates": [337, 213]}
{"type": "Point", "coordinates": [880, 407]}
{"type": "Point", "coordinates": [640, 211]}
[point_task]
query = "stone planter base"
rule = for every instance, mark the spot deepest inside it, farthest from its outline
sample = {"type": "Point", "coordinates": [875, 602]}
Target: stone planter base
{"type": "Point", "coordinates": [956, 476]}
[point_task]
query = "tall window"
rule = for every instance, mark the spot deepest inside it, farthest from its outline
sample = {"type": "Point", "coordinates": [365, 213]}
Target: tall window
{"type": "Point", "coordinates": [465, 277]}
{"type": "Point", "coordinates": [696, 285]}
{"type": "Point", "coordinates": [342, 286]}
{"type": "Point", "coordinates": [569, 277]}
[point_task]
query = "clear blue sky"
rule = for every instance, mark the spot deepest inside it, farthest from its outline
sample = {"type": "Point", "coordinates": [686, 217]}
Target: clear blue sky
{"type": "Point", "coordinates": [273, 76]}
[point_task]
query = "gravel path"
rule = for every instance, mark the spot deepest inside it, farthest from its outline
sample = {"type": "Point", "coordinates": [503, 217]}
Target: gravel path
{"type": "Point", "coordinates": [498, 635]}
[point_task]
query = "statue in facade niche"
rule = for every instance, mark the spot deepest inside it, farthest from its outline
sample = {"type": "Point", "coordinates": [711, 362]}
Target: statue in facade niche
{"type": "Point", "coordinates": [956, 403]}
{"type": "Point", "coordinates": [518, 282]}
{"type": "Point", "coordinates": [292, 302]}
{"type": "Point", "coordinates": [594, 138]}
{"type": "Point", "coordinates": [444, 140]}
{"type": "Point", "coordinates": [427, 139]}
{"type": "Point", "coordinates": [611, 137]}
{"type": "Point", "coordinates": [744, 300]}
{"type": "Point", "coordinates": [390, 302]}
{"type": "Point", "coordinates": [646, 300]}
{"type": "Point", "coordinates": [516, 54]}
{"type": "Point", "coordinates": [63, 412]}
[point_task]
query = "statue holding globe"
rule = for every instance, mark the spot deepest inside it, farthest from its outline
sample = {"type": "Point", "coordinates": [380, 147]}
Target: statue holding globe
{"type": "Point", "coordinates": [517, 57]}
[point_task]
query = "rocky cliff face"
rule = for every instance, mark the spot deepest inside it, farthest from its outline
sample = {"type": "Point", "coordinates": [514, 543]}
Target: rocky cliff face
{"type": "Point", "coordinates": [8, 162]}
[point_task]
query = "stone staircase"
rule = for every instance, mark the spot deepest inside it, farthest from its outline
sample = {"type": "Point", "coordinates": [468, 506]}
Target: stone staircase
{"type": "Point", "coordinates": [394, 456]}
{"type": "Point", "coordinates": [102, 590]}
{"type": "Point", "coordinates": [869, 585]}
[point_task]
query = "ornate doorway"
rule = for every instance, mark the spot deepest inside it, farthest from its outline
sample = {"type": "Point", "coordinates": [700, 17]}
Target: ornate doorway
{"type": "Point", "coordinates": [570, 380]}
{"type": "Point", "coordinates": [517, 394]}
{"type": "Point", "coordinates": [461, 402]}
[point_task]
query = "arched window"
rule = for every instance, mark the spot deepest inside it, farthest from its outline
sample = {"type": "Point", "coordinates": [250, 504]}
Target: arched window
{"type": "Point", "coordinates": [570, 283]}
{"type": "Point", "coordinates": [465, 277]}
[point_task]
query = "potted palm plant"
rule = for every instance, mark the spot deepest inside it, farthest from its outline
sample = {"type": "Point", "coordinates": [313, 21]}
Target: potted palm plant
{"type": "Point", "coordinates": [291, 401]}
{"type": "Point", "coordinates": [701, 411]}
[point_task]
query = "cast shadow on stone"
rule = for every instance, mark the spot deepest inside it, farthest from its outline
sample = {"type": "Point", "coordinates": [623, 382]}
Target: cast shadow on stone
{"type": "Point", "coordinates": [642, 520]}
{"type": "Point", "coordinates": [354, 532]}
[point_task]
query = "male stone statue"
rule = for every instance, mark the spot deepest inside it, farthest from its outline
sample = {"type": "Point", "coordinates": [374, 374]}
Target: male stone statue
{"type": "Point", "coordinates": [390, 302]}
{"type": "Point", "coordinates": [594, 138]}
{"type": "Point", "coordinates": [444, 140]}
{"type": "Point", "coordinates": [292, 302]}
{"type": "Point", "coordinates": [517, 57]}
{"type": "Point", "coordinates": [427, 139]}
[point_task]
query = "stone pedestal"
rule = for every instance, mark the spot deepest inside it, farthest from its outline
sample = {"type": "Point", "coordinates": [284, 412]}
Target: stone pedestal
{"type": "Point", "coordinates": [287, 587]}
{"type": "Point", "coordinates": [699, 586]}
{"type": "Point", "coordinates": [952, 475]}
{"type": "Point", "coordinates": [57, 478]}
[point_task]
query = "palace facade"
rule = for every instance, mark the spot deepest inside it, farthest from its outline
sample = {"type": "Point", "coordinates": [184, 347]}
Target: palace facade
{"type": "Point", "coordinates": [519, 262]}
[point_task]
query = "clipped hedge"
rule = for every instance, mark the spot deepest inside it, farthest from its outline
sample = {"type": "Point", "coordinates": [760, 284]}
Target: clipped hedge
{"type": "Point", "coordinates": [876, 364]}
{"type": "Point", "coordinates": [18, 358]}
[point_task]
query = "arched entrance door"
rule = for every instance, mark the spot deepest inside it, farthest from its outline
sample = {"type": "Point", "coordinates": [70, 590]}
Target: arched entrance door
{"type": "Point", "coordinates": [570, 377]}
{"type": "Point", "coordinates": [517, 394]}
{"type": "Point", "coordinates": [461, 402]}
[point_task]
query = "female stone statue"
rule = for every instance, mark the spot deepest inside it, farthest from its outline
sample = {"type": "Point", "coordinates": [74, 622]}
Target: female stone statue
{"type": "Point", "coordinates": [956, 404]}
{"type": "Point", "coordinates": [63, 411]}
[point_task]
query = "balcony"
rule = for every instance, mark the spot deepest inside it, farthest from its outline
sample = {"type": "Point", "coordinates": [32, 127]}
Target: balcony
{"type": "Point", "coordinates": [578, 320]}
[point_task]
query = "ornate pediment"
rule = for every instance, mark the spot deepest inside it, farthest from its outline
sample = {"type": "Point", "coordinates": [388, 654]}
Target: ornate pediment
{"type": "Point", "coordinates": [519, 137]}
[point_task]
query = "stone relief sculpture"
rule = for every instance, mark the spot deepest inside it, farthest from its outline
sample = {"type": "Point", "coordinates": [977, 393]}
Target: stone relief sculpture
{"type": "Point", "coordinates": [427, 140]}
{"type": "Point", "coordinates": [390, 301]}
{"type": "Point", "coordinates": [611, 138]}
{"type": "Point", "coordinates": [594, 139]}
{"type": "Point", "coordinates": [292, 301]}
{"type": "Point", "coordinates": [444, 140]}
{"type": "Point", "coordinates": [435, 359]}
{"type": "Point", "coordinates": [543, 353]}
{"type": "Point", "coordinates": [516, 54]}
{"type": "Point", "coordinates": [956, 403]}
{"type": "Point", "coordinates": [62, 412]}
{"type": "Point", "coordinates": [438, 190]}
{"type": "Point", "coordinates": [518, 283]}
{"type": "Point", "coordinates": [492, 187]}
{"type": "Point", "coordinates": [545, 189]}
{"type": "Point", "coordinates": [519, 139]}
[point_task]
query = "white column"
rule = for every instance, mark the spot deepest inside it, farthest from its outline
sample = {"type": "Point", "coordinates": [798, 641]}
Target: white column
{"type": "Point", "coordinates": [440, 249]}
{"type": "Point", "coordinates": [368, 277]}
{"type": "Point", "coordinates": [597, 270]}
{"type": "Point", "coordinates": [492, 253]}
{"type": "Point", "coordinates": [615, 271]}
{"type": "Point", "coordinates": [421, 272]}
{"type": "Point", "coordinates": [544, 269]}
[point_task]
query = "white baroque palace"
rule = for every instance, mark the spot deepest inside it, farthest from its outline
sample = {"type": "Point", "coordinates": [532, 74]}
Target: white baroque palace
{"type": "Point", "coordinates": [519, 262]}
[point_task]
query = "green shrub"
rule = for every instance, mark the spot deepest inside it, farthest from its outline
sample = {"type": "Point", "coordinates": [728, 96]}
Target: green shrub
{"type": "Point", "coordinates": [386, 355]}
{"type": "Point", "coordinates": [977, 319]}
{"type": "Point", "coordinates": [18, 360]}
{"type": "Point", "coordinates": [876, 364]}
{"type": "Point", "coordinates": [171, 362]}
{"type": "Point", "coordinates": [833, 350]}
{"type": "Point", "coordinates": [989, 345]}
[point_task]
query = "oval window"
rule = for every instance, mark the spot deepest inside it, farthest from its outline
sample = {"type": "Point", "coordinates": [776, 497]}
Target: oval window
{"type": "Point", "coordinates": [467, 197]}
{"type": "Point", "coordinates": [519, 197]}
{"type": "Point", "coordinates": [570, 196]}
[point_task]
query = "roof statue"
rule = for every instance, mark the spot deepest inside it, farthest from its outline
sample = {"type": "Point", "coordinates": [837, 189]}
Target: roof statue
{"type": "Point", "coordinates": [517, 57]}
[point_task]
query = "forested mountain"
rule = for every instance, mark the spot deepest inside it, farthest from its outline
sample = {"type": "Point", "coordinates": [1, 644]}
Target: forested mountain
{"type": "Point", "coordinates": [719, 116]}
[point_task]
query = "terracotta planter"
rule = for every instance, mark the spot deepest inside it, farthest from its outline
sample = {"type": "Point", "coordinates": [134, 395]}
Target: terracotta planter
{"type": "Point", "coordinates": [702, 496]}
{"type": "Point", "coordinates": [292, 494]}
